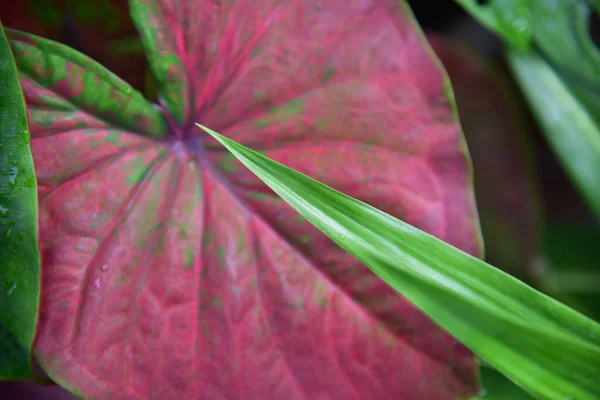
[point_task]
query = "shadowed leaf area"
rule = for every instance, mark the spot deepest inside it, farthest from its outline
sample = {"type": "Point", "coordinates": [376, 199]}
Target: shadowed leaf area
{"type": "Point", "coordinates": [101, 29]}
{"type": "Point", "coordinates": [170, 271]}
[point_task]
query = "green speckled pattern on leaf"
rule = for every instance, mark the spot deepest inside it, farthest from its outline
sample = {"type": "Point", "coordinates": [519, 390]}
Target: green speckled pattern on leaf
{"type": "Point", "coordinates": [87, 85]}
{"type": "Point", "coordinates": [19, 254]}
{"type": "Point", "coordinates": [165, 64]}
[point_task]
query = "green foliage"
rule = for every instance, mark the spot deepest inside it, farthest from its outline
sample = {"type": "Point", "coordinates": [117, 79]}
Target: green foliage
{"type": "Point", "coordinates": [19, 254]}
{"type": "Point", "coordinates": [568, 125]}
{"type": "Point", "coordinates": [545, 347]}
{"type": "Point", "coordinates": [567, 60]}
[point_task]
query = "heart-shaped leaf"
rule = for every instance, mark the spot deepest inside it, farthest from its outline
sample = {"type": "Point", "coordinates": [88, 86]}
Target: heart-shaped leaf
{"type": "Point", "coordinates": [19, 254]}
{"type": "Point", "coordinates": [171, 271]}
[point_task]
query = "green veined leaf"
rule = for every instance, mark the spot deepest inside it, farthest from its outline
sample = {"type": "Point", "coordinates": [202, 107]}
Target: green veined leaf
{"type": "Point", "coordinates": [19, 254]}
{"type": "Point", "coordinates": [567, 124]}
{"type": "Point", "coordinates": [545, 347]}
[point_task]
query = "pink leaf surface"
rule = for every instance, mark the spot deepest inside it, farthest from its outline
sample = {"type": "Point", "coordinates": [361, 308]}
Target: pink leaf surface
{"type": "Point", "coordinates": [170, 271]}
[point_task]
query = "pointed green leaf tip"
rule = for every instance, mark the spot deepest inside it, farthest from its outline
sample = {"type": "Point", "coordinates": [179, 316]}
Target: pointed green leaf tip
{"type": "Point", "coordinates": [19, 254]}
{"type": "Point", "coordinates": [550, 350]}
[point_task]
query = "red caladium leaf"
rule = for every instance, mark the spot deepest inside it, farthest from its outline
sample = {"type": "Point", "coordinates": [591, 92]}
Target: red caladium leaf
{"type": "Point", "coordinates": [170, 271]}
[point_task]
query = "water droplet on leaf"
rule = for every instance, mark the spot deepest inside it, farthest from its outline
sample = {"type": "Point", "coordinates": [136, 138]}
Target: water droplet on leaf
{"type": "Point", "coordinates": [12, 178]}
{"type": "Point", "coordinates": [104, 267]}
{"type": "Point", "coordinates": [26, 136]}
{"type": "Point", "coordinates": [13, 287]}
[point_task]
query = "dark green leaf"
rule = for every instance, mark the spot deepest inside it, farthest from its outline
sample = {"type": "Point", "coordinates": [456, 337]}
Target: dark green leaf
{"type": "Point", "coordinates": [567, 124]}
{"type": "Point", "coordinates": [19, 254]}
{"type": "Point", "coordinates": [545, 347]}
{"type": "Point", "coordinates": [568, 267]}
{"type": "Point", "coordinates": [497, 387]}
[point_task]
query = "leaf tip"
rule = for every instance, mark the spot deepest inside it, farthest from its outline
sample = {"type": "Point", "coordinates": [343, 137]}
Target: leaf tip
{"type": "Point", "coordinates": [208, 130]}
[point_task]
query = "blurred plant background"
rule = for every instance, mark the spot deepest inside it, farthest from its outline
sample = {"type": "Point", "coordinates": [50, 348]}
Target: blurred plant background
{"type": "Point", "coordinates": [535, 224]}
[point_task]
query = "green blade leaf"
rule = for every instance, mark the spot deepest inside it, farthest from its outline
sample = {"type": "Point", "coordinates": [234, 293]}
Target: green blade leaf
{"type": "Point", "coordinates": [567, 124]}
{"type": "Point", "coordinates": [19, 254]}
{"type": "Point", "coordinates": [545, 347]}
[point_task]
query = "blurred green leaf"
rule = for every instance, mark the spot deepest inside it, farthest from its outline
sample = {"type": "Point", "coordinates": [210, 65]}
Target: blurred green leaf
{"type": "Point", "coordinates": [570, 267]}
{"type": "Point", "coordinates": [497, 130]}
{"type": "Point", "coordinates": [545, 347]}
{"type": "Point", "coordinates": [567, 124]}
{"type": "Point", "coordinates": [19, 254]}
{"type": "Point", "coordinates": [559, 30]}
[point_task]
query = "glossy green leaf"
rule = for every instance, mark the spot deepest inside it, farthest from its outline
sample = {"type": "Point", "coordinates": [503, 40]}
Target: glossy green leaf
{"type": "Point", "coordinates": [510, 19]}
{"type": "Point", "coordinates": [562, 37]}
{"type": "Point", "coordinates": [19, 254]}
{"type": "Point", "coordinates": [567, 124]}
{"type": "Point", "coordinates": [545, 347]}
{"type": "Point", "coordinates": [560, 28]}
